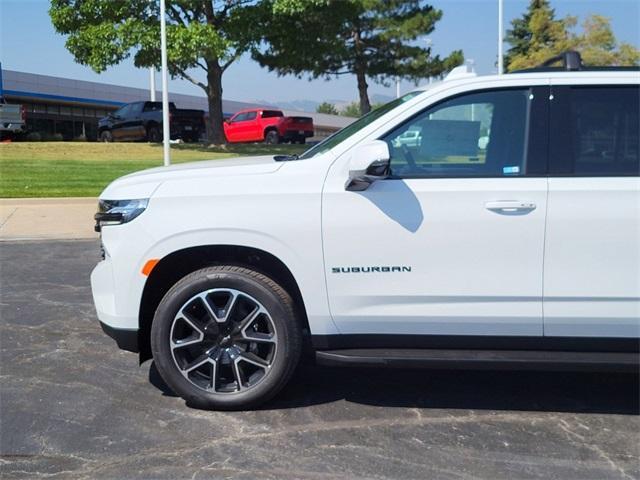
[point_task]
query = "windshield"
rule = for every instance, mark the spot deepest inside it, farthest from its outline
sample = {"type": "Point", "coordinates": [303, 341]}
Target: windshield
{"type": "Point", "coordinates": [341, 135]}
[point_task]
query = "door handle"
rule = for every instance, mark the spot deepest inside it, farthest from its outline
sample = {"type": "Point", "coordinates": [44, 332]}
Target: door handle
{"type": "Point", "coordinates": [510, 207]}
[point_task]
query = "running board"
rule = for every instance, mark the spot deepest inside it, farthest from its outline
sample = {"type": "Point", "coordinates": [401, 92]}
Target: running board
{"type": "Point", "coordinates": [480, 359]}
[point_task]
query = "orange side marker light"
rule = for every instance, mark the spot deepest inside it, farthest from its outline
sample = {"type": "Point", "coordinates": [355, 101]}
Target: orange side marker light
{"type": "Point", "coordinates": [148, 267]}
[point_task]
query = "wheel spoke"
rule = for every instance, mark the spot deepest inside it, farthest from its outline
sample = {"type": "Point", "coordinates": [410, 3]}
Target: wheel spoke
{"type": "Point", "coordinates": [249, 319]}
{"type": "Point", "coordinates": [209, 310]}
{"type": "Point", "coordinates": [199, 361]}
{"type": "Point", "coordinates": [253, 336]}
{"type": "Point", "coordinates": [226, 310]}
{"type": "Point", "coordinates": [253, 359]}
{"type": "Point", "coordinates": [237, 374]}
{"type": "Point", "coordinates": [258, 337]}
{"type": "Point", "coordinates": [189, 341]}
{"type": "Point", "coordinates": [214, 375]}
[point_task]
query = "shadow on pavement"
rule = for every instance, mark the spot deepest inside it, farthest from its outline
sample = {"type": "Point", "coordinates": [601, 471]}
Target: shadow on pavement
{"type": "Point", "coordinates": [575, 392]}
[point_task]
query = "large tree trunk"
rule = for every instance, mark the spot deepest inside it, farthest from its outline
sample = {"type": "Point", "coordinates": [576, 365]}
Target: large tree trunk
{"type": "Point", "coordinates": [215, 132]}
{"type": "Point", "coordinates": [365, 105]}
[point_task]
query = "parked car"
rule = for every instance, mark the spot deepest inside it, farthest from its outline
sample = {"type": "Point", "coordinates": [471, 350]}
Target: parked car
{"type": "Point", "coordinates": [269, 126]}
{"type": "Point", "coordinates": [410, 138]}
{"type": "Point", "coordinates": [143, 121]}
{"type": "Point", "coordinates": [523, 254]}
{"type": "Point", "coordinates": [13, 119]}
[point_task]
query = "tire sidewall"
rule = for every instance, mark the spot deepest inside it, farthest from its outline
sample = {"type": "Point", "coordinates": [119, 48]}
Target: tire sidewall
{"type": "Point", "coordinates": [287, 349]}
{"type": "Point", "coordinates": [106, 136]}
{"type": "Point", "coordinates": [271, 138]}
{"type": "Point", "coordinates": [153, 134]}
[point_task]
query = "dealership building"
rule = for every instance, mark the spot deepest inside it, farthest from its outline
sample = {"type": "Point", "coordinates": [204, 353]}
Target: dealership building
{"type": "Point", "coordinates": [71, 108]}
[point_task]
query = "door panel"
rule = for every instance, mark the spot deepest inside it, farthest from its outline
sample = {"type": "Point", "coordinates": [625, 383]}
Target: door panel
{"type": "Point", "coordinates": [592, 251]}
{"type": "Point", "coordinates": [453, 243]}
{"type": "Point", "coordinates": [592, 258]}
{"type": "Point", "coordinates": [444, 263]}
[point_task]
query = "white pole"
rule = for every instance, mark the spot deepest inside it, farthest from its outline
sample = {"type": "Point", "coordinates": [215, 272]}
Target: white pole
{"type": "Point", "coordinates": [397, 87]}
{"type": "Point", "coordinates": [165, 87]}
{"type": "Point", "coordinates": [152, 84]}
{"type": "Point", "coordinates": [500, 55]}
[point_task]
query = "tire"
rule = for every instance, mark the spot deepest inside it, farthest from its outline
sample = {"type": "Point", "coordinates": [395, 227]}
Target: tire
{"type": "Point", "coordinates": [106, 136]}
{"type": "Point", "coordinates": [153, 134]}
{"type": "Point", "coordinates": [249, 360]}
{"type": "Point", "coordinates": [272, 137]}
{"type": "Point", "coordinates": [301, 140]}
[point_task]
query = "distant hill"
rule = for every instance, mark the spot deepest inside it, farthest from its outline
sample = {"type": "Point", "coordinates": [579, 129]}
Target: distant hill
{"type": "Point", "coordinates": [305, 105]}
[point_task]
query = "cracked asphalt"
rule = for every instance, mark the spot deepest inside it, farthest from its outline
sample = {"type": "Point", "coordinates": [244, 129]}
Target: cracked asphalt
{"type": "Point", "coordinates": [73, 406]}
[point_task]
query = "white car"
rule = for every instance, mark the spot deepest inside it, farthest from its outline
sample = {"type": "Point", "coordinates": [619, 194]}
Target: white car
{"type": "Point", "coordinates": [524, 254]}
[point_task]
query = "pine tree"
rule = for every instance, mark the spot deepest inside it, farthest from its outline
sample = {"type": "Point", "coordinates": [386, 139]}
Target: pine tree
{"type": "Point", "coordinates": [537, 29]}
{"type": "Point", "coordinates": [370, 39]}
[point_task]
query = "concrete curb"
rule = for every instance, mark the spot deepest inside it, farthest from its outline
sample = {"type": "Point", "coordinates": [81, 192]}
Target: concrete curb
{"type": "Point", "coordinates": [47, 218]}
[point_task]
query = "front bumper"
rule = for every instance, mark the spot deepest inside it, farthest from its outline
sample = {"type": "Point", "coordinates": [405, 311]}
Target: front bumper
{"type": "Point", "coordinates": [125, 339]}
{"type": "Point", "coordinates": [123, 329]}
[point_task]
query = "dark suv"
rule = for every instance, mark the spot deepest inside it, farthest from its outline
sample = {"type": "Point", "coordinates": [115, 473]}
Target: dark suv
{"type": "Point", "coordinates": [143, 121]}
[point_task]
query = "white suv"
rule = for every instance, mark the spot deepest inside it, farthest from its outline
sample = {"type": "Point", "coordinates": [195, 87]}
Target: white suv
{"type": "Point", "coordinates": [508, 233]}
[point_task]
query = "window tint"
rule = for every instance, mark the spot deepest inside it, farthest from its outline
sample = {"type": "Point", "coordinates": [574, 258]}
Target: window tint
{"type": "Point", "coordinates": [604, 130]}
{"type": "Point", "coordinates": [479, 134]}
{"type": "Point", "coordinates": [124, 111]}
{"type": "Point", "coordinates": [152, 106]}
{"type": "Point", "coordinates": [341, 135]}
{"type": "Point", "coordinates": [272, 114]}
{"type": "Point", "coordinates": [240, 117]}
{"type": "Point", "coordinates": [250, 115]}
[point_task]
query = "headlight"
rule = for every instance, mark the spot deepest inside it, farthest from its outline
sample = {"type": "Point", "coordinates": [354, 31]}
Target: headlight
{"type": "Point", "coordinates": [116, 212]}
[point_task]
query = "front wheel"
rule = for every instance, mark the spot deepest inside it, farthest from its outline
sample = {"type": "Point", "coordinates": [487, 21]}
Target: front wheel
{"type": "Point", "coordinates": [272, 137]}
{"type": "Point", "coordinates": [106, 136]}
{"type": "Point", "coordinates": [226, 338]}
{"type": "Point", "coordinates": [153, 134]}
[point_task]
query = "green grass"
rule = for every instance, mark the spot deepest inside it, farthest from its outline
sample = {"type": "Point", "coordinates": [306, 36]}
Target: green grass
{"type": "Point", "coordinates": [65, 169]}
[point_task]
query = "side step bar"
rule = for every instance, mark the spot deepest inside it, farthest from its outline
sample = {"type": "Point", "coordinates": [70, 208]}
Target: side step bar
{"type": "Point", "coordinates": [481, 359]}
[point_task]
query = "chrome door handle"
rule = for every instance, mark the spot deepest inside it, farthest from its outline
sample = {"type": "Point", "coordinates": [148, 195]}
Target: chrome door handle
{"type": "Point", "coordinates": [510, 207]}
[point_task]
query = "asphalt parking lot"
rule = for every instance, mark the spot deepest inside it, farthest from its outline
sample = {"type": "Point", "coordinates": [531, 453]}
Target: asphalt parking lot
{"type": "Point", "coordinates": [73, 406]}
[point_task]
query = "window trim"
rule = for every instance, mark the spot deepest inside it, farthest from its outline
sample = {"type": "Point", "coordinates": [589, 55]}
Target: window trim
{"type": "Point", "coordinates": [536, 138]}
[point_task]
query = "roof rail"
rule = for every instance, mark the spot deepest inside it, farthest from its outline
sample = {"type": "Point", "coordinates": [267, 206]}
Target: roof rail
{"type": "Point", "coordinates": [571, 61]}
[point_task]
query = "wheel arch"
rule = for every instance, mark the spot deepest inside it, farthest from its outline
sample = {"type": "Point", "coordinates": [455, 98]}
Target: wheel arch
{"type": "Point", "coordinates": [176, 265]}
{"type": "Point", "coordinates": [270, 128]}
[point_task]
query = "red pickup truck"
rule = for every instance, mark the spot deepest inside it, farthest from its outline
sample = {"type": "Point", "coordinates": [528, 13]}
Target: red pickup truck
{"type": "Point", "coordinates": [268, 126]}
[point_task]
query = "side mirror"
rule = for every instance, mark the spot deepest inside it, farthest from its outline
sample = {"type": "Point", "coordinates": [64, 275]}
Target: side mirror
{"type": "Point", "coordinates": [369, 162]}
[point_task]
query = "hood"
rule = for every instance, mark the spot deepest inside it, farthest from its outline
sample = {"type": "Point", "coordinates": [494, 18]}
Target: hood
{"type": "Point", "coordinates": [142, 184]}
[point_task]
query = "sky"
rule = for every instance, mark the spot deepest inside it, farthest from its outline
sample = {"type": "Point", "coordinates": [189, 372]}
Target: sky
{"type": "Point", "coordinates": [28, 43]}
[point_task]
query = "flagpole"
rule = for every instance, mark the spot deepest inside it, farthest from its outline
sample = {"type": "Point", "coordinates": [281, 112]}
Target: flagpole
{"type": "Point", "coordinates": [500, 53]}
{"type": "Point", "coordinates": [165, 86]}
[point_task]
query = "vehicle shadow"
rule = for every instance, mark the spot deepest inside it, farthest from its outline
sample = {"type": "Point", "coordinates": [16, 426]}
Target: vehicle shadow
{"type": "Point", "coordinates": [575, 392]}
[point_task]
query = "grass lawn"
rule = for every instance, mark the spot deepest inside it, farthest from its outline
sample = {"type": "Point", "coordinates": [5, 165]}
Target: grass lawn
{"type": "Point", "coordinates": [79, 169]}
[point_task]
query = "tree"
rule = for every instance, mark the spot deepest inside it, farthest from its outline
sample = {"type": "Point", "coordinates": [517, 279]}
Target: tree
{"type": "Point", "coordinates": [538, 36]}
{"type": "Point", "coordinates": [351, 110]}
{"type": "Point", "coordinates": [326, 107]}
{"type": "Point", "coordinates": [371, 39]}
{"type": "Point", "coordinates": [520, 35]}
{"type": "Point", "coordinates": [204, 35]}
{"type": "Point", "coordinates": [598, 44]}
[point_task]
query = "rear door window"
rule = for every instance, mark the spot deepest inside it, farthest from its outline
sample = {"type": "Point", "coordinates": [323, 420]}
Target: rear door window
{"type": "Point", "coordinates": [595, 131]}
